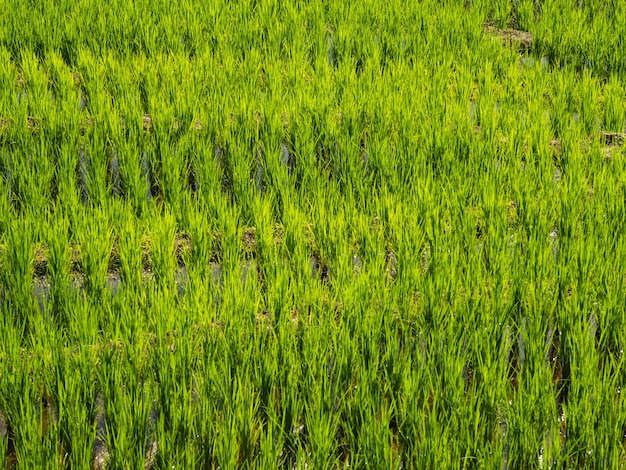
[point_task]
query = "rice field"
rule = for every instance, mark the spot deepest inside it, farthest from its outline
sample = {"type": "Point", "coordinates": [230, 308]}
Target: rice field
{"type": "Point", "coordinates": [259, 234]}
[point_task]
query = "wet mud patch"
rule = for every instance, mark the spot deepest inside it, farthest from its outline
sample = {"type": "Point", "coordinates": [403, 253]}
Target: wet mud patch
{"type": "Point", "coordinates": [320, 269]}
{"type": "Point", "coordinates": [100, 452]}
{"type": "Point", "coordinates": [287, 157]}
{"type": "Point", "coordinates": [612, 139]}
{"type": "Point", "coordinates": [182, 247]}
{"type": "Point", "coordinates": [521, 41]}
{"type": "Point", "coordinates": [249, 239]}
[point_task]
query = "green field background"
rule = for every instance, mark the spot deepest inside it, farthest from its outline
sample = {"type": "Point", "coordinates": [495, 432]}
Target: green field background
{"type": "Point", "coordinates": [358, 234]}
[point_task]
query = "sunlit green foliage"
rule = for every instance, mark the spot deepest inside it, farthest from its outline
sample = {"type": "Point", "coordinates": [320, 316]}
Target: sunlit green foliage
{"type": "Point", "coordinates": [261, 234]}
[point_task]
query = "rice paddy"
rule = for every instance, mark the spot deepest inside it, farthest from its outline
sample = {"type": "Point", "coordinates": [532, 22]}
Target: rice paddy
{"type": "Point", "coordinates": [261, 234]}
